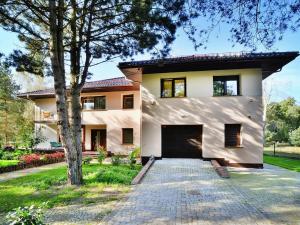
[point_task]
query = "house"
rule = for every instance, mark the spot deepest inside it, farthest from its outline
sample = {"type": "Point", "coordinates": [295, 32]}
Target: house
{"type": "Point", "coordinates": [205, 106]}
{"type": "Point", "coordinates": [199, 106]}
{"type": "Point", "coordinates": [111, 113]}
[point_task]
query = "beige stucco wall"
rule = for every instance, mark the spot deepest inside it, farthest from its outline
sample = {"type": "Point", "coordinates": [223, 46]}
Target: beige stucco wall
{"type": "Point", "coordinates": [200, 107]}
{"type": "Point", "coordinates": [48, 132]}
{"type": "Point", "coordinates": [44, 104]}
{"type": "Point", "coordinates": [114, 118]}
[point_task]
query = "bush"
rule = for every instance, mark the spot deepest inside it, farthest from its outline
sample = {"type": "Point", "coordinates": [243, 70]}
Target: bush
{"type": "Point", "coordinates": [19, 153]}
{"type": "Point", "coordinates": [87, 160]}
{"type": "Point", "coordinates": [7, 156]}
{"type": "Point", "coordinates": [53, 156]}
{"type": "Point", "coordinates": [26, 216]}
{"type": "Point", "coordinates": [34, 158]}
{"type": "Point", "coordinates": [116, 160]}
{"type": "Point", "coordinates": [30, 159]}
{"type": "Point", "coordinates": [295, 137]}
{"type": "Point", "coordinates": [102, 154]}
{"type": "Point", "coordinates": [133, 155]}
{"type": "Point", "coordinates": [10, 155]}
{"type": "Point", "coordinates": [1, 153]}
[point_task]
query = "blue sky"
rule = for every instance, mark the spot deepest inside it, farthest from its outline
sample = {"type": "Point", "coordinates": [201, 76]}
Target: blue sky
{"type": "Point", "coordinates": [282, 84]}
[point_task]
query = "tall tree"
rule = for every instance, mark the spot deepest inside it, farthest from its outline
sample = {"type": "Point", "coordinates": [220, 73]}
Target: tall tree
{"type": "Point", "coordinates": [282, 118]}
{"type": "Point", "coordinates": [80, 34]}
{"type": "Point", "coordinates": [9, 108]}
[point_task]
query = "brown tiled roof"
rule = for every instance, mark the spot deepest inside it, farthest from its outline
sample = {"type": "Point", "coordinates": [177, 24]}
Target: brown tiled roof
{"type": "Point", "coordinates": [268, 61]}
{"type": "Point", "coordinates": [206, 57]}
{"type": "Point", "coordinates": [113, 84]}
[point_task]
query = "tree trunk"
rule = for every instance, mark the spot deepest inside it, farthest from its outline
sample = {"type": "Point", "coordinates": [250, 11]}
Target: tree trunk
{"type": "Point", "coordinates": [75, 123]}
{"type": "Point", "coordinates": [69, 134]}
{"type": "Point", "coordinates": [6, 123]}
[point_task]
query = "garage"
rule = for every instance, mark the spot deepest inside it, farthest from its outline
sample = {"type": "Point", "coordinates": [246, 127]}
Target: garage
{"type": "Point", "coordinates": [181, 141]}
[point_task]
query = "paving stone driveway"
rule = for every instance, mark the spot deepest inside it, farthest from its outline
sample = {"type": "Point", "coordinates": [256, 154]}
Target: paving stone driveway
{"type": "Point", "coordinates": [188, 191]}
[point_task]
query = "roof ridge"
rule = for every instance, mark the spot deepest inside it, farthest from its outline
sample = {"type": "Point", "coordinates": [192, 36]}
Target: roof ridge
{"type": "Point", "coordinates": [114, 82]}
{"type": "Point", "coordinates": [239, 53]}
{"type": "Point", "coordinates": [106, 79]}
{"type": "Point", "coordinates": [210, 56]}
{"type": "Point", "coordinates": [40, 90]}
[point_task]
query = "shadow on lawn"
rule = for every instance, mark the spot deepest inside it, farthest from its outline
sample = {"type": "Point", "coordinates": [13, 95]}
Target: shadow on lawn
{"type": "Point", "coordinates": [50, 186]}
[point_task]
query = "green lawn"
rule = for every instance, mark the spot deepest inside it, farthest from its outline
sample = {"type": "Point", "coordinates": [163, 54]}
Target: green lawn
{"type": "Point", "coordinates": [4, 163]}
{"type": "Point", "coordinates": [290, 164]}
{"type": "Point", "coordinates": [50, 186]}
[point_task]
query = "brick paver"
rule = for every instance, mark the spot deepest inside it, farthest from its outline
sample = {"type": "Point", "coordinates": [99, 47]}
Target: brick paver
{"type": "Point", "coordinates": [188, 191]}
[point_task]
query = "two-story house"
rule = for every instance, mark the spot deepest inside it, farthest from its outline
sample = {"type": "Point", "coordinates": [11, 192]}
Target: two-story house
{"type": "Point", "coordinates": [199, 106]}
{"type": "Point", "coordinates": [205, 106]}
{"type": "Point", "coordinates": [111, 112]}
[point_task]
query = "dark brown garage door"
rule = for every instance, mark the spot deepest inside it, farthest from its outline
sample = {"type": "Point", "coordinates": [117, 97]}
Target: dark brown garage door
{"type": "Point", "coordinates": [181, 141]}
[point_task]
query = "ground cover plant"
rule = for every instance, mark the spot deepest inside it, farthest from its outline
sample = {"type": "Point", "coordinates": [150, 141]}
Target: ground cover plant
{"type": "Point", "coordinates": [287, 163]}
{"type": "Point", "coordinates": [5, 163]}
{"type": "Point", "coordinates": [51, 186]}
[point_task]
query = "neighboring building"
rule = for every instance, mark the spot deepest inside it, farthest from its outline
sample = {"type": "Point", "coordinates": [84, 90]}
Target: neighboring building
{"type": "Point", "coordinates": [205, 106]}
{"type": "Point", "coordinates": [111, 113]}
{"type": "Point", "coordinates": [200, 106]}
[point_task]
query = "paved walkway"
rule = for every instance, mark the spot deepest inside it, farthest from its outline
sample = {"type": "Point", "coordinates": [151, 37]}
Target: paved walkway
{"type": "Point", "coordinates": [21, 173]}
{"type": "Point", "coordinates": [188, 191]}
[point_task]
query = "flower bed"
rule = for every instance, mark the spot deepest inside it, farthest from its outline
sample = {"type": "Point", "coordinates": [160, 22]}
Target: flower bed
{"type": "Point", "coordinates": [34, 160]}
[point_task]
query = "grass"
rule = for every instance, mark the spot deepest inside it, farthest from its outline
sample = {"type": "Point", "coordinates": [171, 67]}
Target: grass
{"type": "Point", "coordinates": [4, 163]}
{"type": "Point", "coordinates": [285, 151]}
{"type": "Point", "coordinates": [50, 186]}
{"type": "Point", "coordinates": [287, 163]}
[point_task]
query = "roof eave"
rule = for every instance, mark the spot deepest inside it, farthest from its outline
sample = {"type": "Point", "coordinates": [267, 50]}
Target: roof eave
{"type": "Point", "coordinates": [86, 90]}
{"type": "Point", "coordinates": [268, 65]}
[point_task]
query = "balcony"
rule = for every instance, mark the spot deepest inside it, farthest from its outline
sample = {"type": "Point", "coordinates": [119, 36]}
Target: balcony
{"type": "Point", "coordinates": [42, 116]}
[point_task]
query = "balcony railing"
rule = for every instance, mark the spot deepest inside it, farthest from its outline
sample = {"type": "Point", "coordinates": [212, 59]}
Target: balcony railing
{"type": "Point", "coordinates": [45, 116]}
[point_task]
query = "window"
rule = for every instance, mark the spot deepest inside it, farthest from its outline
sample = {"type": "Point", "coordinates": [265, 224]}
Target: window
{"type": "Point", "coordinates": [127, 137]}
{"type": "Point", "coordinates": [91, 103]}
{"type": "Point", "coordinates": [173, 88]}
{"type": "Point", "coordinates": [100, 102]}
{"type": "Point", "coordinates": [226, 85]}
{"type": "Point", "coordinates": [128, 102]}
{"type": "Point", "coordinates": [88, 103]}
{"type": "Point", "coordinates": [232, 135]}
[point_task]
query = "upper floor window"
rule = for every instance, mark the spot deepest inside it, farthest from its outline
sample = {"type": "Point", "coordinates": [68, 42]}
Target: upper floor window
{"type": "Point", "coordinates": [128, 101]}
{"type": "Point", "coordinates": [90, 103]}
{"type": "Point", "coordinates": [226, 85]}
{"type": "Point", "coordinates": [175, 87]}
{"type": "Point", "coordinates": [232, 135]}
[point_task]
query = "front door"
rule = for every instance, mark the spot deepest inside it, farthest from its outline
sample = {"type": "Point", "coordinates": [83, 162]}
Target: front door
{"type": "Point", "coordinates": [98, 139]}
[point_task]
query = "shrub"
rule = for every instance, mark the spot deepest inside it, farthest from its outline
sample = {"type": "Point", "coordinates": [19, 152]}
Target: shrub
{"type": "Point", "coordinates": [30, 159]}
{"type": "Point", "coordinates": [133, 155]}
{"type": "Point", "coordinates": [26, 216]}
{"type": "Point", "coordinates": [87, 160]}
{"type": "Point", "coordinates": [295, 137]}
{"type": "Point", "coordinates": [7, 155]}
{"type": "Point", "coordinates": [102, 154]}
{"type": "Point", "coordinates": [54, 156]}
{"type": "Point", "coordinates": [1, 153]}
{"type": "Point", "coordinates": [19, 153]}
{"type": "Point", "coordinates": [116, 160]}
